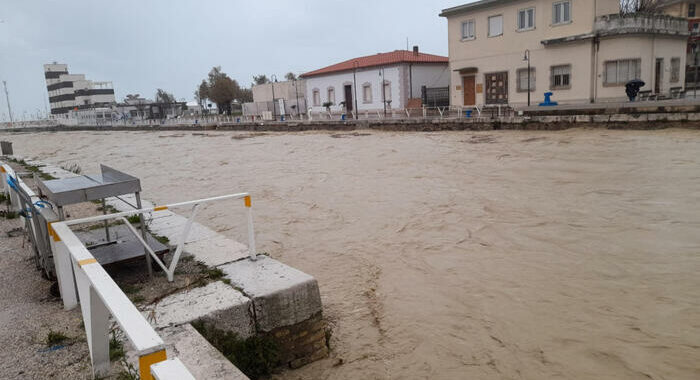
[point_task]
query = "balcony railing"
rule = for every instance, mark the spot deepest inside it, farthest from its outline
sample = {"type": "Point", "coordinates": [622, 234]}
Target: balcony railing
{"type": "Point", "coordinates": [641, 24]}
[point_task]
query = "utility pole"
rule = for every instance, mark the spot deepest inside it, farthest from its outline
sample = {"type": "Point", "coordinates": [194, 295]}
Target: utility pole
{"type": "Point", "coordinates": [272, 82]}
{"type": "Point", "coordinates": [7, 96]}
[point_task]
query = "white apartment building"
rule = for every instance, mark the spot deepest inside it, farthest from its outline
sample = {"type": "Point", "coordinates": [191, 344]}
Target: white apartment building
{"type": "Point", "coordinates": [580, 50]}
{"type": "Point", "coordinates": [72, 91]}
{"type": "Point", "coordinates": [371, 82]}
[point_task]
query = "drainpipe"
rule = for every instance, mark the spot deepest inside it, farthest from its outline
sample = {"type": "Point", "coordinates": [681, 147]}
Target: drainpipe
{"type": "Point", "coordinates": [594, 70]}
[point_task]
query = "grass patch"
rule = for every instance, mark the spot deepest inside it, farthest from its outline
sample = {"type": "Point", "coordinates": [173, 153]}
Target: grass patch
{"type": "Point", "coordinates": [116, 348]}
{"type": "Point", "coordinates": [55, 337]}
{"type": "Point", "coordinates": [131, 289]}
{"type": "Point", "coordinates": [255, 356]}
{"type": "Point", "coordinates": [134, 219]}
{"type": "Point", "coordinates": [214, 273]}
{"type": "Point", "coordinates": [137, 298]}
{"type": "Point", "coordinates": [9, 214]}
{"type": "Point", "coordinates": [109, 208]}
{"type": "Point", "coordinates": [162, 239]}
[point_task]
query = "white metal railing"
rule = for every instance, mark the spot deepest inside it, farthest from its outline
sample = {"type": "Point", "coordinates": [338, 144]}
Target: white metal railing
{"type": "Point", "coordinates": [170, 270]}
{"type": "Point", "coordinates": [100, 296]}
{"type": "Point", "coordinates": [82, 280]}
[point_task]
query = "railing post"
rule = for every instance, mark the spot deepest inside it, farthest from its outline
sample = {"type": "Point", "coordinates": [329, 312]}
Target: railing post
{"type": "Point", "coordinates": [251, 232]}
{"type": "Point", "coordinates": [96, 320]}
{"type": "Point", "coordinates": [64, 270]}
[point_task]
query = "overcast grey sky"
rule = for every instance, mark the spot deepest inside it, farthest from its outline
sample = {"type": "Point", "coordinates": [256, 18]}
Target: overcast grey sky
{"type": "Point", "coordinates": [144, 45]}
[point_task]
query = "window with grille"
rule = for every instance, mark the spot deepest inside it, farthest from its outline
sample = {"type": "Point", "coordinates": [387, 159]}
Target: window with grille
{"type": "Point", "coordinates": [387, 91]}
{"type": "Point", "coordinates": [691, 10]}
{"type": "Point", "coordinates": [526, 19]}
{"type": "Point", "coordinates": [622, 71]}
{"type": "Point", "coordinates": [317, 97]}
{"type": "Point", "coordinates": [522, 80]}
{"type": "Point", "coordinates": [561, 12]}
{"type": "Point", "coordinates": [561, 77]}
{"type": "Point", "coordinates": [468, 30]}
{"type": "Point", "coordinates": [495, 26]}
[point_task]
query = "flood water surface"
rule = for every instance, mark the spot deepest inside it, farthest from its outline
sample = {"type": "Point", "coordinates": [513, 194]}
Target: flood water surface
{"type": "Point", "coordinates": [455, 255]}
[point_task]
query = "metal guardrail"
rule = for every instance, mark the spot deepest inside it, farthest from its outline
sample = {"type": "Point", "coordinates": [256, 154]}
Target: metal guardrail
{"type": "Point", "coordinates": [80, 276]}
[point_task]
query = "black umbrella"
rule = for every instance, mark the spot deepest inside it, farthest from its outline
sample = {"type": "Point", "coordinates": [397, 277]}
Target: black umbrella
{"type": "Point", "coordinates": [632, 88]}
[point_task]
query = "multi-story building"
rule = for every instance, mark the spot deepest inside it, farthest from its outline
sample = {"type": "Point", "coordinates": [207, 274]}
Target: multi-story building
{"type": "Point", "coordinates": [72, 91]}
{"type": "Point", "coordinates": [581, 51]}
{"type": "Point", "coordinates": [375, 82]}
{"type": "Point", "coordinates": [687, 9]}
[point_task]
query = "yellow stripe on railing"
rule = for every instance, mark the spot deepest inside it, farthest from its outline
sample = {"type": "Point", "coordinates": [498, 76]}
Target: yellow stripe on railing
{"type": "Point", "coordinates": [160, 208]}
{"type": "Point", "coordinates": [248, 202]}
{"type": "Point", "coordinates": [87, 261]}
{"type": "Point", "coordinates": [146, 361]}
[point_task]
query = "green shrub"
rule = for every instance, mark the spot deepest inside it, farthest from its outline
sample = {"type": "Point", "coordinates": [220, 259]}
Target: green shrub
{"type": "Point", "coordinates": [255, 356]}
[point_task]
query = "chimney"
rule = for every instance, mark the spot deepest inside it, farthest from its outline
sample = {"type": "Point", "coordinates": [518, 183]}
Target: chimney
{"type": "Point", "coordinates": [415, 49]}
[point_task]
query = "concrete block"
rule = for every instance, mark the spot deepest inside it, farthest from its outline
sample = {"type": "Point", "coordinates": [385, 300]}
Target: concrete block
{"type": "Point", "coordinates": [217, 303]}
{"type": "Point", "coordinates": [196, 353]}
{"type": "Point", "coordinates": [583, 118]}
{"type": "Point", "coordinates": [693, 116]}
{"type": "Point", "coordinates": [281, 295]}
{"type": "Point", "coordinates": [217, 251]}
{"type": "Point", "coordinates": [601, 118]}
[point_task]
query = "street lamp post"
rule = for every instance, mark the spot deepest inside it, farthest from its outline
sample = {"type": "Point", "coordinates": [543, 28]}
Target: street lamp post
{"type": "Point", "coordinates": [272, 82]}
{"type": "Point", "coordinates": [527, 58]}
{"type": "Point", "coordinates": [381, 73]}
{"type": "Point", "coordinates": [355, 65]}
{"type": "Point", "coordinates": [296, 92]}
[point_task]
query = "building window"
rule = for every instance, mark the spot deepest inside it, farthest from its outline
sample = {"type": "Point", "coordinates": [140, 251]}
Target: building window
{"type": "Point", "coordinates": [331, 95]}
{"type": "Point", "coordinates": [367, 93]}
{"type": "Point", "coordinates": [561, 12]}
{"type": "Point", "coordinates": [561, 77]}
{"type": "Point", "coordinates": [696, 27]}
{"type": "Point", "coordinates": [622, 71]}
{"type": "Point", "coordinates": [691, 10]}
{"type": "Point", "coordinates": [526, 19]}
{"type": "Point", "coordinates": [468, 30]}
{"type": "Point", "coordinates": [675, 70]}
{"type": "Point", "coordinates": [522, 80]}
{"type": "Point", "coordinates": [495, 26]}
{"type": "Point", "coordinates": [317, 97]}
{"type": "Point", "coordinates": [387, 92]}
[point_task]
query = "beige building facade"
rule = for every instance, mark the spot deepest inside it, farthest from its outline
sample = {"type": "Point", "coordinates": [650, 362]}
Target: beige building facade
{"type": "Point", "coordinates": [581, 51]}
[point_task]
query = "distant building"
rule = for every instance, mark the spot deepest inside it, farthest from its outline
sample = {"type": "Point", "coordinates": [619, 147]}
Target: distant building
{"type": "Point", "coordinates": [582, 51]}
{"type": "Point", "coordinates": [72, 91]}
{"type": "Point", "coordinates": [289, 98]}
{"type": "Point", "coordinates": [387, 78]}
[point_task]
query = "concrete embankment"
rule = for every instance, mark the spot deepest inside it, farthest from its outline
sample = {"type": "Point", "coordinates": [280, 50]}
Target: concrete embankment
{"type": "Point", "coordinates": [632, 121]}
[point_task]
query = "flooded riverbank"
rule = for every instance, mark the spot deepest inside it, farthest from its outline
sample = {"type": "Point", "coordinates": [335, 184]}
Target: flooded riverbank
{"type": "Point", "coordinates": [448, 255]}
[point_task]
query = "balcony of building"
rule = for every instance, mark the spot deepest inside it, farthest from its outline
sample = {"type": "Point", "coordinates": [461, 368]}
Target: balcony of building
{"type": "Point", "coordinates": [615, 24]}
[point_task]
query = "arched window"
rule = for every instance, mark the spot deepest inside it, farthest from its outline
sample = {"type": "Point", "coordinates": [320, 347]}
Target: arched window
{"type": "Point", "coordinates": [367, 93]}
{"type": "Point", "coordinates": [387, 91]}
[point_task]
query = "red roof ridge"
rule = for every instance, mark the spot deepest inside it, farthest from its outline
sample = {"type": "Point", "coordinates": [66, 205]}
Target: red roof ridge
{"type": "Point", "coordinates": [379, 59]}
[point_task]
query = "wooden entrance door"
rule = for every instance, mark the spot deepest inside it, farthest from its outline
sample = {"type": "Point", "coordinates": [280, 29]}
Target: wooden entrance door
{"type": "Point", "coordinates": [658, 75]}
{"type": "Point", "coordinates": [468, 87]}
{"type": "Point", "coordinates": [496, 88]}
{"type": "Point", "coordinates": [348, 98]}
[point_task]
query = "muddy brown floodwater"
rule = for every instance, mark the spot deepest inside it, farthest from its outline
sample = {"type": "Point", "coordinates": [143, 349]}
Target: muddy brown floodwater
{"type": "Point", "coordinates": [501, 255]}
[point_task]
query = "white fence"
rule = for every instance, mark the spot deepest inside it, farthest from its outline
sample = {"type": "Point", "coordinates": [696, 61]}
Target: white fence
{"type": "Point", "coordinates": [82, 278]}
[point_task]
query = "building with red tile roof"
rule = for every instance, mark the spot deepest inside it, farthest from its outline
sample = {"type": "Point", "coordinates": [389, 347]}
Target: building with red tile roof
{"type": "Point", "coordinates": [375, 82]}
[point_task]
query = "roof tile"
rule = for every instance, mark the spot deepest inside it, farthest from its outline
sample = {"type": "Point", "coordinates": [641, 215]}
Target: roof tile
{"type": "Point", "coordinates": [381, 59]}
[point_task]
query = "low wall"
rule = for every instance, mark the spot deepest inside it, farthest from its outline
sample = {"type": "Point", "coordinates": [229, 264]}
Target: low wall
{"type": "Point", "coordinates": [689, 120]}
